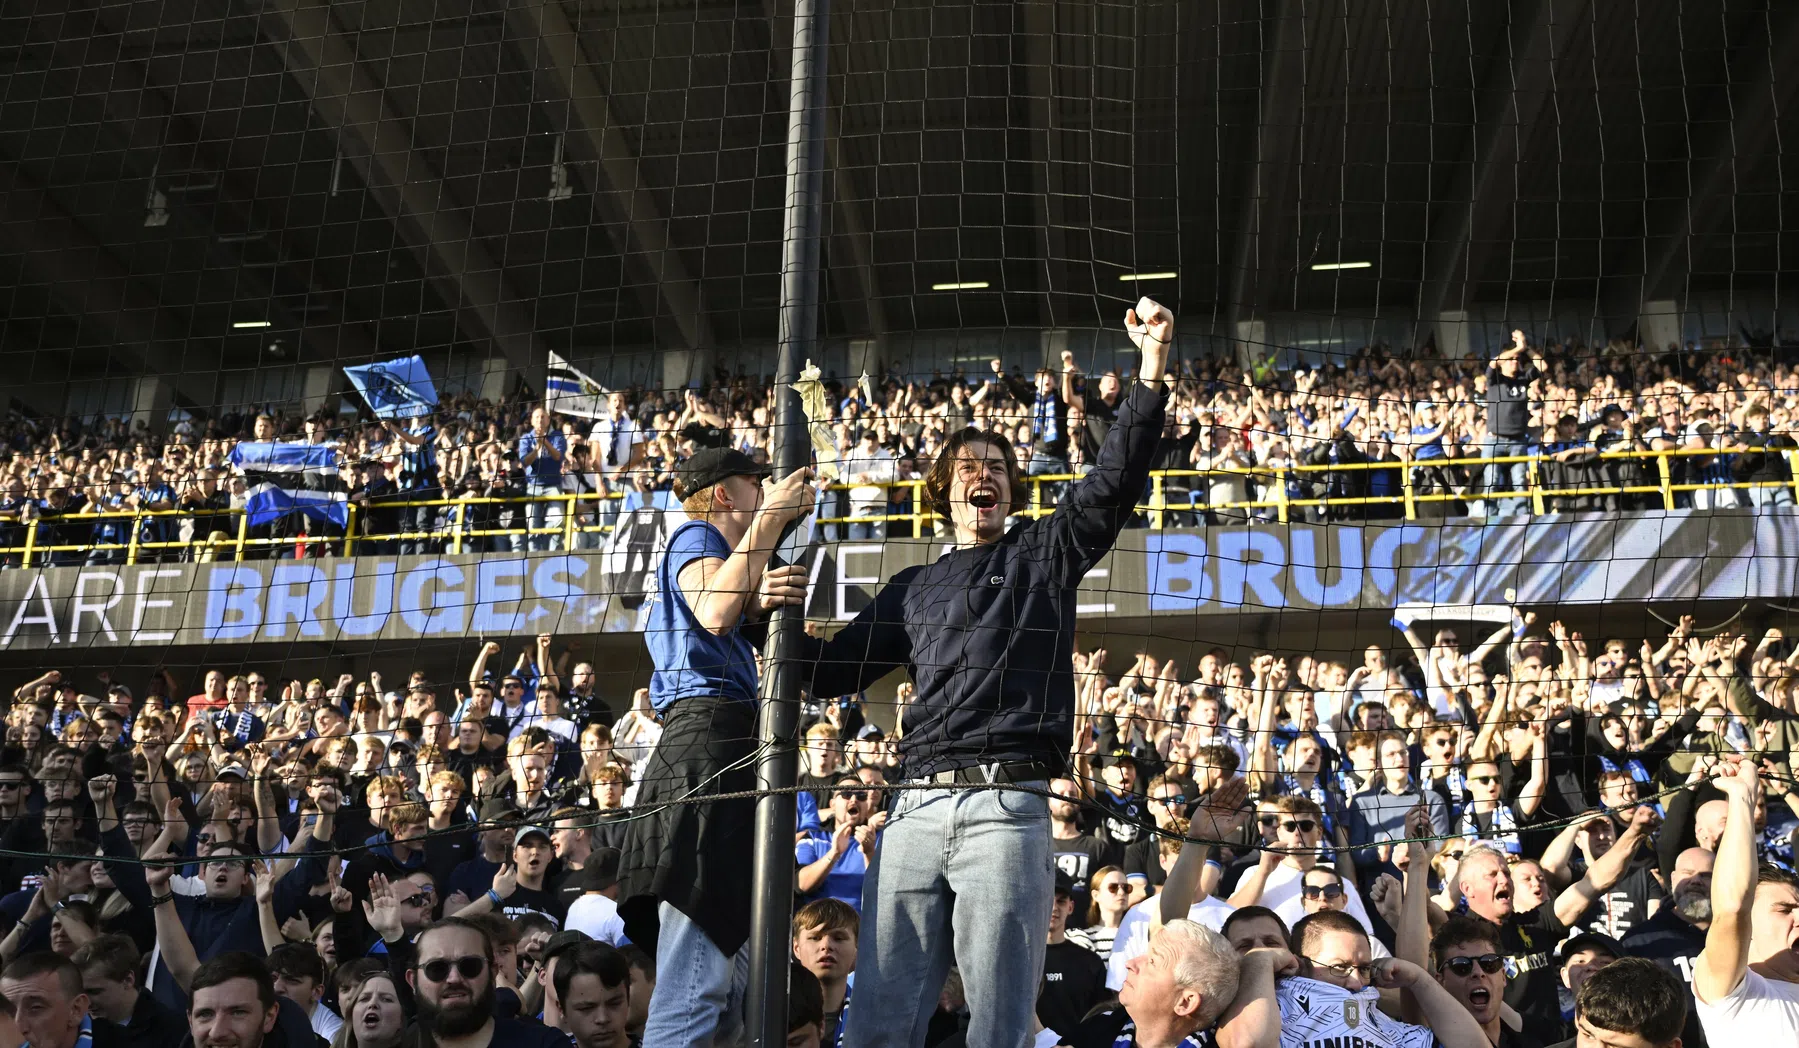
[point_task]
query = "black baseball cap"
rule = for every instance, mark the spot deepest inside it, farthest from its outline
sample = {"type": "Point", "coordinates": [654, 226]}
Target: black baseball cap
{"type": "Point", "coordinates": [1590, 941]}
{"type": "Point", "coordinates": [709, 466]}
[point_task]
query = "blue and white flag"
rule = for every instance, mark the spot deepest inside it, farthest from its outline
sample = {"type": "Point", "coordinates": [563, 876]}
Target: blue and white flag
{"type": "Point", "coordinates": [395, 388]}
{"type": "Point", "coordinates": [571, 391]}
{"type": "Point", "coordinates": [285, 478]}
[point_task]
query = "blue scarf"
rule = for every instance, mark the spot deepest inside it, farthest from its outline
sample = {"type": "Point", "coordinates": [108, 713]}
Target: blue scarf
{"type": "Point", "coordinates": [843, 1018]}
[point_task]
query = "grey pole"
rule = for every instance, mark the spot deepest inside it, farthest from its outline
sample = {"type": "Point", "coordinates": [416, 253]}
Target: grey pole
{"type": "Point", "coordinates": [771, 912]}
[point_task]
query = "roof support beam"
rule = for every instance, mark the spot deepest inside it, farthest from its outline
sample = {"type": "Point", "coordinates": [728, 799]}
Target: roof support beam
{"type": "Point", "coordinates": [1271, 191]}
{"type": "Point", "coordinates": [632, 216]}
{"type": "Point", "coordinates": [143, 120]}
{"type": "Point", "coordinates": [1744, 137]}
{"type": "Point", "coordinates": [353, 101]}
{"type": "Point", "coordinates": [1512, 104]}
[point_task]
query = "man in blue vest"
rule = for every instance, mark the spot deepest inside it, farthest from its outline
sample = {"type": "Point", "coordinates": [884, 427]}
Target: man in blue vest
{"type": "Point", "coordinates": [685, 883]}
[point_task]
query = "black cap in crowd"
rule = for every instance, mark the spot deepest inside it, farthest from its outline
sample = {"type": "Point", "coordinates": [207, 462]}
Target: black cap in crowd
{"type": "Point", "coordinates": [710, 466]}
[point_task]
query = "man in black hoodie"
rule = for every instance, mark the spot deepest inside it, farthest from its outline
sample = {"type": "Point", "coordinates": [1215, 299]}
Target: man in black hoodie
{"type": "Point", "coordinates": [987, 635]}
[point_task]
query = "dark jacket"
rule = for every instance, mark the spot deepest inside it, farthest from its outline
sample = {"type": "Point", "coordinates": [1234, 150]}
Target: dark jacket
{"type": "Point", "coordinates": [987, 633]}
{"type": "Point", "coordinates": [216, 926]}
{"type": "Point", "coordinates": [151, 1026]}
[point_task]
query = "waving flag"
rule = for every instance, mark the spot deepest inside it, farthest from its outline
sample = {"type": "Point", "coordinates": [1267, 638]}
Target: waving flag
{"type": "Point", "coordinates": [395, 388]}
{"type": "Point", "coordinates": [572, 392]}
{"type": "Point", "coordinates": [288, 478]}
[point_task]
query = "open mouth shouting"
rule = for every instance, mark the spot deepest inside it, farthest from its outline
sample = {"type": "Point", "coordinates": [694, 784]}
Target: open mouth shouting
{"type": "Point", "coordinates": [983, 497]}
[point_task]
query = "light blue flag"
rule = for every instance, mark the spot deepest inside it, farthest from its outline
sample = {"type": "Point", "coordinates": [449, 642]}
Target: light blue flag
{"type": "Point", "coordinates": [395, 388]}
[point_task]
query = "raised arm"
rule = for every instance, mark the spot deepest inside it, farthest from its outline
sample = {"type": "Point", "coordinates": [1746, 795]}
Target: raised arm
{"type": "Point", "coordinates": [1725, 959]}
{"type": "Point", "coordinates": [1453, 1024]}
{"type": "Point", "coordinates": [720, 591]}
{"type": "Point", "coordinates": [1096, 508]}
{"type": "Point", "coordinates": [1607, 870]}
{"type": "Point", "coordinates": [1217, 820]}
{"type": "Point", "coordinates": [171, 935]}
{"type": "Point", "coordinates": [478, 672]}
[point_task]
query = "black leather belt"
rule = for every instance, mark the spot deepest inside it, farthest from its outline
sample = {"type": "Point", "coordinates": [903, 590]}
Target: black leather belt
{"type": "Point", "coordinates": [993, 774]}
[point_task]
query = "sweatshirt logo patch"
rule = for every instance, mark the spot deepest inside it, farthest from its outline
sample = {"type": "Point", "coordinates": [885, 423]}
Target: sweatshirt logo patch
{"type": "Point", "coordinates": [996, 580]}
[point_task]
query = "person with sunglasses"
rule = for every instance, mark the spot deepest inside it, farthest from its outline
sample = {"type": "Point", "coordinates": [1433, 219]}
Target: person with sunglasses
{"type": "Point", "coordinates": [833, 866]}
{"type": "Point", "coordinates": [1322, 888]}
{"type": "Point", "coordinates": [1469, 965]}
{"type": "Point", "coordinates": [1336, 993]}
{"type": "Point", "coordinates": [452, 982]}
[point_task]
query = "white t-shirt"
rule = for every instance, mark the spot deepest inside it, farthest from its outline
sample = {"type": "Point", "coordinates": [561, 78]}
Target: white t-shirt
{"type": "Point", "coordinates": [613, 442]}
{"type": "Point", "coordinates": [326, 1022]}
{"type": "Point", "coordinates": [1281, 893]}
{"type": "Point", "coordinates": [1132, 939]}
{"type": "Point", "coordinates": [598, 917]}
{"type": "Point", "coordinates": [1317, 1014]}
{"type": "Point", "coordinates": [1758, 1011]}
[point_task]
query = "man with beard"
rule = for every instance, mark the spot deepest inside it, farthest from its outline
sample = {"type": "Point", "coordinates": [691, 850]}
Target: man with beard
{"type": "Point", "coordinates": [1747, 977]}
{"type": "Point", "coordinates": [1077, 854]}
{"type": "Point", "coordinates": [453, 984]}
{"type": "Point", "coordinates": [1469, 966]}
{"type": "Point", "coordinates": [1674, 937]}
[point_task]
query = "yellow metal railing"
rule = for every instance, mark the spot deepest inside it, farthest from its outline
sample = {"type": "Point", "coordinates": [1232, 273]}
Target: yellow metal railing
{"type": "Point", "coordinates": [457, 534]}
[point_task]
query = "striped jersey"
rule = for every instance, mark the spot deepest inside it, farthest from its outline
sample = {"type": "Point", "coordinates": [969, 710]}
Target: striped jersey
{"type": "Point", "coordinates": [1317, 1014]}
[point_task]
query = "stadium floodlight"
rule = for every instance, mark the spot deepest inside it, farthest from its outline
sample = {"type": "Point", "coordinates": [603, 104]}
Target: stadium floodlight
{"type": "Point", "coordinates": [1147, 276]}
{"type": "Point", "coordinates": [967, 285]}
{"type": "Point", "coordinates": [242, 325]}
{"type": "Point", "coordinates": [1322, 266]}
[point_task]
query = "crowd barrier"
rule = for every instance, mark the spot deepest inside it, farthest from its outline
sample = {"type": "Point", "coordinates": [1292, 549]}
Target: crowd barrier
{"type": "Point", "coordinates": [582, 525]}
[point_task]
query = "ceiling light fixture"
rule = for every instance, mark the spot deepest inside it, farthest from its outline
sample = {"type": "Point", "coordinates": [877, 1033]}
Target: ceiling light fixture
{"type": "Point", "coordinates": [1147, 276]}
{"type": "Point", "coordinates": [968, 285]}
{"type": "Point", "coordinates": [1323, 266]}
{"type": "Point", "coordinates": [244, 324]}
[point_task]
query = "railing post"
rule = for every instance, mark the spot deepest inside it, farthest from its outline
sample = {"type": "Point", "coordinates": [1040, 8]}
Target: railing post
{"type": "Point", "coordinates": [1792, 458]}
{"type": "Point", "coordinates": [137, 524]}
{"type": "Point", "coordinates": [243, 532]}
{"type": "Point", "coordinates": [461, 522]}
{"type": "Point", "coordinates": [1281, 510]}
{"type": "Point", "coordinates": [1157, 503]}
{"type": "Point", "coordinates": [30, 543]}
{"type": "Point", "coordinates": [349, 529]}
{"type": "Point", "coordinates": [1536, 485]}
{"type": "Point", "coordinates": [568, 521]}
{"type": "Point", "coordinates": [1407, 490]}
{"type": "Point", "coordinates": [1667, 475]}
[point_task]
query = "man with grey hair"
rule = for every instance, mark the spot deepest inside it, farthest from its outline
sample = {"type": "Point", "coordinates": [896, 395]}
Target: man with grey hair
{"type": "Point", "coordinates": [1174, 995]}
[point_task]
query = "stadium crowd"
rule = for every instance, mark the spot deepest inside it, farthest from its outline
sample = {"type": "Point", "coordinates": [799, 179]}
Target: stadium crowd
{"type": "Point", "coordinates": [1505, 823]}
{"type": "Point", "coordinates": [1537, 840]}
{"type": "Point", "coordinates": [1369, 422]}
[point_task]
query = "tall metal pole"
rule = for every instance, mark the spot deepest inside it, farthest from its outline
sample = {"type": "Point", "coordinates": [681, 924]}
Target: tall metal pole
{"type": "Point", "coordinates": [771, 912]}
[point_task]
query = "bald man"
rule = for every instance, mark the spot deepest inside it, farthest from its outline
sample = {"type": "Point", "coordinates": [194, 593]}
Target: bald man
{"type": "Point", "coordinates": [1673, 937]}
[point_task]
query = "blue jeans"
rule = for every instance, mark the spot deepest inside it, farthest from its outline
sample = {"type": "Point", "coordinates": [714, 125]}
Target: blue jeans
{"type": "Point", "coordinates": [1506, 476]}
{"type": "Point", "coordinates": [544, 515]}
{"type": "Point", "coordinates": [699, 991]}
{"type": "Point", "coordinates": [964, 874]}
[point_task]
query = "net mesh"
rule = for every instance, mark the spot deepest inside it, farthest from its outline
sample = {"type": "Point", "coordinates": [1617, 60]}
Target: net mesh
{"type": "Point", "coordinates": [213, 211]}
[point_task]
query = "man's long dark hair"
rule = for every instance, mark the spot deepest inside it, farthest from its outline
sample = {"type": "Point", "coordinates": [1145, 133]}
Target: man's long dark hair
{"type": "Point", "coordinates": [937, 481]}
